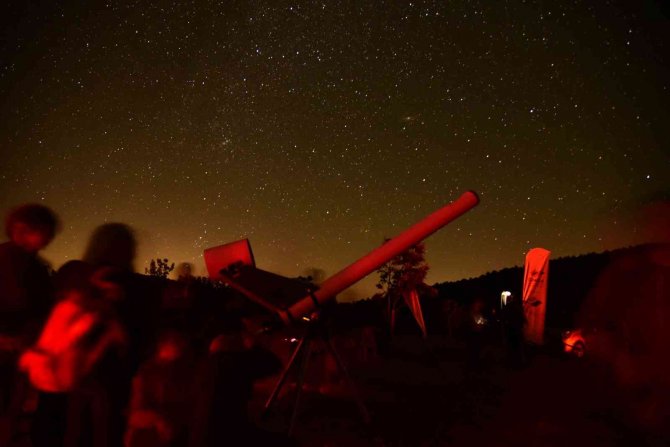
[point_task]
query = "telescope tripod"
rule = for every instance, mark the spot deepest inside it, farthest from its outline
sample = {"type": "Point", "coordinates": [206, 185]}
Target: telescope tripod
{"type": "Point", "coordinates": [316, 331]}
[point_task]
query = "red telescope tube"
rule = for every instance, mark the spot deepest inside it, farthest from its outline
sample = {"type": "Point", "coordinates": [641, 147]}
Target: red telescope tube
{"type": "Point", "coordinates": [377, 257]}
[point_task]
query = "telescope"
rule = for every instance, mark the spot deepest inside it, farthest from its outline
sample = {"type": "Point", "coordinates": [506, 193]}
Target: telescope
{"type": "Point", "coordinates": [234, 265]}
{"type": "Point", "coordinates": [292, 301]}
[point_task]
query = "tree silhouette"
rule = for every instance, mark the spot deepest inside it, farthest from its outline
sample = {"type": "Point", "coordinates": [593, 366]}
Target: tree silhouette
{"type": "Point", "coordinates": [405, 272]}
{"type": "Point", "coordinates": [160, 268]}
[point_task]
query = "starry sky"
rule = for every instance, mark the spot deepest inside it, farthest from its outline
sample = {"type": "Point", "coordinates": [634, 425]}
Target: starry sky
{"type": "Point", "coordinates": [316, 129]}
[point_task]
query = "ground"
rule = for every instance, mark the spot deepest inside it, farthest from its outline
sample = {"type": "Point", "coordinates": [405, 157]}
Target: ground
{"type": "Point", "coordinates": [423, 394]}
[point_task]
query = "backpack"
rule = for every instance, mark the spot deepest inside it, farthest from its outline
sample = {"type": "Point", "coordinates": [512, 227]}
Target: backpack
{"type": "Point", "coordinates": [75, 338]}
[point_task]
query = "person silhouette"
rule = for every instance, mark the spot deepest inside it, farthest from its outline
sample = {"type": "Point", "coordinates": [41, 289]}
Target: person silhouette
{"type": "Point", "coordinates": [235, 362]}
{"type": "Point", "coordinates": [25, 287]}
{"type": "Point", "coordinates": [96, 406]}
{"type": "Point", "coordinates": [162, 393]}
{"type": "Point", "coordinates": [513, 321]}
{"type": "Point", "coordinates": [25, 300]}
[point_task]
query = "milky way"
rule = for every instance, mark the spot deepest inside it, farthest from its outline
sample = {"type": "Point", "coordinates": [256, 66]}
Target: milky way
{"type": "Point", "coordinates": [317, 129]}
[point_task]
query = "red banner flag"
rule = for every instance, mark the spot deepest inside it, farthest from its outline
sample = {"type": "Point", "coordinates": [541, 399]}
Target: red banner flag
{"type": "Point", "coordinates": [536, 274]}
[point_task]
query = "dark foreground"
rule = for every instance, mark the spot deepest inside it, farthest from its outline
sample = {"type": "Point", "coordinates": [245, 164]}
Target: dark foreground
{"type": "Point", "coordinates": [425, 395]}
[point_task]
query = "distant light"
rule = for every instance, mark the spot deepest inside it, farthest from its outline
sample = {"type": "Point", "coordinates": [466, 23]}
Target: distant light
{"type": "Point", "coordinates": [503, 297]}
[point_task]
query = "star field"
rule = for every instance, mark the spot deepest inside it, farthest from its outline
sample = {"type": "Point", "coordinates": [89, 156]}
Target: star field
{"type": "Point", "coordinates": [318, 129]}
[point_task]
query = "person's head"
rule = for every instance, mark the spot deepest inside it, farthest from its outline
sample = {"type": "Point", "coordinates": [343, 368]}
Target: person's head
{"type": "Point", "coordinates": [31, 226]}
{"type": "Point", "coordinates": [112, 245]}
{"type": "Point", "coordinates": [80, 281]}
{"type": "Point", "coordinates": [653, 221]}
{"type": "Point", "coordinates": [184, 271]}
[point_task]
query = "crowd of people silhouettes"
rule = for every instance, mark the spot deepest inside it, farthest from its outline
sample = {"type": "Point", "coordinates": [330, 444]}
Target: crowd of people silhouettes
{"type": "Point", "coordinates": [86, 348]}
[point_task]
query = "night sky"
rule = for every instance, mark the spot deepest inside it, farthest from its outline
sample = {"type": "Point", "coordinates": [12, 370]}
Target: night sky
{"type": "Point", "coordinates": [318, 128]}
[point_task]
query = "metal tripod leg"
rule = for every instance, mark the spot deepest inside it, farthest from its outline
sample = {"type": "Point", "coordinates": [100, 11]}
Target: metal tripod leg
{"type": "Point", "coordinates": [347, 377]}
{"type": "Point", "coordinates": [298, 391]}
{"type": "Point", "coordinates": [282, 379]}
